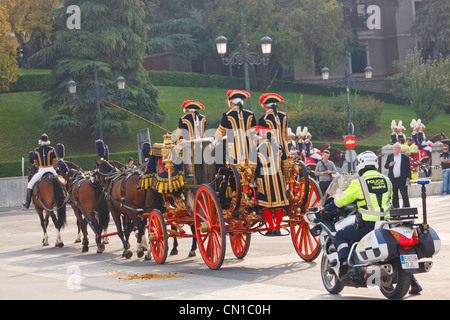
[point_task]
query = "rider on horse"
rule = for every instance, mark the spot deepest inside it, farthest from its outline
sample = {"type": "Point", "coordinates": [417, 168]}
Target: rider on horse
{"type": "Point", "coordinates": [44, 158]}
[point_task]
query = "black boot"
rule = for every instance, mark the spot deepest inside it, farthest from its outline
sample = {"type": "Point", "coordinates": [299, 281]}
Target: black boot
{"type": "Point", "coordinates": [28, 200]}
{"type": "Point", "coordinates": [415, 286]}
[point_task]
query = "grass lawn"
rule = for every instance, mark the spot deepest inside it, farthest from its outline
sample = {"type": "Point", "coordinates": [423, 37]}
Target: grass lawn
{"type": "Point", "coordinates": [22, 119]}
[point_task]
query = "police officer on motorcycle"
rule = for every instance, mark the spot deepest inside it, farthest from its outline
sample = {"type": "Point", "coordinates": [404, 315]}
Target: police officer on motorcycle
{"type": "Point", "coordinates": [372, 192]}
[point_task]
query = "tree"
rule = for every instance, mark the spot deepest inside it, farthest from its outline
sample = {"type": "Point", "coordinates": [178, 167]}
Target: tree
{"type": "Point", "coordinates": [8, 63]}
{"type": "Point", "coordinates": [112, 37]}
{"type": "Point", "coordinates": [173, 28]}
{"type": "Point", "coordinates": [307, 32]}
{"type": "Point", "coordinates": [425, 83]}
{"type": "Point", "coordinates": [31, 19]}
{"type": "Point", "coordinates": [432, 27]}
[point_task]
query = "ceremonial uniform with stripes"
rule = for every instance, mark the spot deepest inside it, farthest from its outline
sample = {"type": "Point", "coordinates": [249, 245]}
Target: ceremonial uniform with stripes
{"type": "Point", "coordinates": [236, 121]}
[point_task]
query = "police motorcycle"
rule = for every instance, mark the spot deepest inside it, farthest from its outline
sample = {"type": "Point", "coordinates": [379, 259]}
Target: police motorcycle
{"type": "Point", "coordinates": [386, 257]}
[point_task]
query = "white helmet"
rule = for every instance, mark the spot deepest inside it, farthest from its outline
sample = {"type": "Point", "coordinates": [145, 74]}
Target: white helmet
{"type": "Point", "coordinates": [365, 159]}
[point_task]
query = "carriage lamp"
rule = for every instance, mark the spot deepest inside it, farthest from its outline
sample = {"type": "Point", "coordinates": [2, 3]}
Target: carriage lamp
{"type": "Point", "coordinates": [166, 154]}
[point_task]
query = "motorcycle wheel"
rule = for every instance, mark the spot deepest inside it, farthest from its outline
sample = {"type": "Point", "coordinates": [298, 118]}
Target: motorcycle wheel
{"type": "Point", "coordinates": [329, 277]}
{"type": "Point", "coordinates": [397, 285]}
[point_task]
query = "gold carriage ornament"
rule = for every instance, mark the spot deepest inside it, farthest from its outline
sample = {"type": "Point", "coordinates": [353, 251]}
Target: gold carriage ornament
{"type": "Point", "coordinates": [166, 154]}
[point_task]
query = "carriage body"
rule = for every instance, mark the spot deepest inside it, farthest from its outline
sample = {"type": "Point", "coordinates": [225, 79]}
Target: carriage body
{"type": "Point", "coordinates": [220, 199]}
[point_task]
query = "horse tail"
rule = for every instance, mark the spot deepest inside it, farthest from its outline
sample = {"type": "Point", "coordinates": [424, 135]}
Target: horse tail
{"type": "Point", "coordinates": [101, 207]}
{"type": "Point", "coordinates": [60, 201]}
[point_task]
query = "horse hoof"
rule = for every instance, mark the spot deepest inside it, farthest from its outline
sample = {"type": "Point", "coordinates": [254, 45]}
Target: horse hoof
{"type": "Point", "coordinates": [101, 248]}
{"type": "Point", "coordinates": [127, 254]}
{"type": "Point", "coordinates": [191, 253]}
{"type": "Point", "coordinates": [45, 244]}
{"type": "Point", "coordinates": [174, 252]}
{"type": "Point", "coordinates": [77, 241]}
{"type": "Point", "coordinates": [85, 249]}
{"type": "Point", "coordinates": [148, 256]}
{"type": "Point", "coordinates": [59, 245]}
{"type": "Point", "coordinates": [140, 253]}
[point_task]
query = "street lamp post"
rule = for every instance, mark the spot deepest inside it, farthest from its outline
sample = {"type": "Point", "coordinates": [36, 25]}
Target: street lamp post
{"type": "Point", "coordinates": [348, 81]}
{"type": "Point", "coordinates": [97, 94]}
{"type": "Point", "coordinates": [245, 58]}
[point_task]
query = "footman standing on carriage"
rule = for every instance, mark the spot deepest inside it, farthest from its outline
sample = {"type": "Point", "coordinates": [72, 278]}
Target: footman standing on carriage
{"type": "Point", "coordinates": [236, 121]}
{"type": "Point", "coordinates": [273, 118]}
{"type": "Point", "coordinates": [271, 173]}
{"type": "Point", "coordinates": [192, 122]}
{"type": "Point", "coordinates": [44, 158]}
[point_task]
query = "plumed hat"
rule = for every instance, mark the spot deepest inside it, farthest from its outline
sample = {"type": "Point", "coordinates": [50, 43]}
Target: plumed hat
{"type": "Point", "coordinates": [400, 125]}
{"type": "Point", "coordinates": [31, 157]}
{"type": "Point", "coordinates": [146, 148]}
{"type": "Point", "coordinates": [191, 104]}
{"type": "Point", "coordinates": [60, 151]}
{"type": "Point", "coordinates": [270, 98]}
{"type": "Point", "coordinates": [234, 94]}
{"type": "Point", "coordinates": [305, 131]}
{"type": "Point", "coordinates": [299, 131]}
{"type": "Point", "coordinates": [44, 140]}
{"type": "Point", "coordinates": [62, 166]}
{"type": "Point", "coordinates": [100, 148]}
{"type": "Point", "coordinates": [393, 125]}
{"type": "Point", "coordinates": [420, 124]}
{"type": "Point", "coordinates": [290, 133]}
{"type": "Point", "coordinates": [106, 152]}
{"type": "Point", "coordinates": [413, 123]}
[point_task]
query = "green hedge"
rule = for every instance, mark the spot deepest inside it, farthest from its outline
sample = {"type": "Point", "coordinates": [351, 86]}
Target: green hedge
{"type": "Point", "coordinates": [14, 168]}
{"type": "Point", "coordinates": [39, 80]}
{"type": "Point", "coordinates": [30, 82]}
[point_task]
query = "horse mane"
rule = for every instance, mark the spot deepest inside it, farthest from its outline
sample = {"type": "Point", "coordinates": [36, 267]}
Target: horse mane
{"type": "Point", "coordinates": [105, 167]}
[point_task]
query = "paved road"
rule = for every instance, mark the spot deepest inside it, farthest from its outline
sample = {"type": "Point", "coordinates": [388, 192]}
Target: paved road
{"type": "Point", "coordinates": [271, 270]}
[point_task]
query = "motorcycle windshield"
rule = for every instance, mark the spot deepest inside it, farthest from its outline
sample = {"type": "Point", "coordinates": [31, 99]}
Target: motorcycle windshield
{"type": "Point", "coordinates": [339, 183]}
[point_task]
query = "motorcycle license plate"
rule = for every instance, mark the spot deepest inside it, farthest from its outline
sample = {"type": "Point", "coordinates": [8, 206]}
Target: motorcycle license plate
{"type": "Point", "coordinates": [409, 261]}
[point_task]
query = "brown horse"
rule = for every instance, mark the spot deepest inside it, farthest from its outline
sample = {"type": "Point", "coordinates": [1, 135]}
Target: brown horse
{"type": "Point", "coordinates": [337, 156]}
{"type": "Point", "coordinates": [439, 137]}
{"type": "Point", "coordinates": [125, 200]}
{"type": "Point", "coordinates": [87, 199]}
{"type": "Point", "coordinates": [49, 193]}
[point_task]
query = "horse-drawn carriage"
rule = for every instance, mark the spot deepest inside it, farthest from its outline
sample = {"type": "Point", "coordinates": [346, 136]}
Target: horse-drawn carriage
{"type": "Point", "coordinates": [220, 199]}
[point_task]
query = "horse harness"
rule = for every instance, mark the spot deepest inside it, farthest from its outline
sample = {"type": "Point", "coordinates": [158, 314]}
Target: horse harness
{"type": "Point", "coordinates": [77, 181]}
{"type": "Point", "coordinates": [125, 175]}
{"type": "Point", "coordinates": [38, 191]}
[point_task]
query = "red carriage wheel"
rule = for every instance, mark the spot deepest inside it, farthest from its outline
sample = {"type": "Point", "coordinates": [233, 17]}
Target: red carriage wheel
{"type": "Point", "coordinates": [307, 246]}
{"type": "Point", "coordinates": [157, 236]}
{"type": "Point", "coordinates": [209, 227]}
{"type": "Point", "coordinates": [240, 242]}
